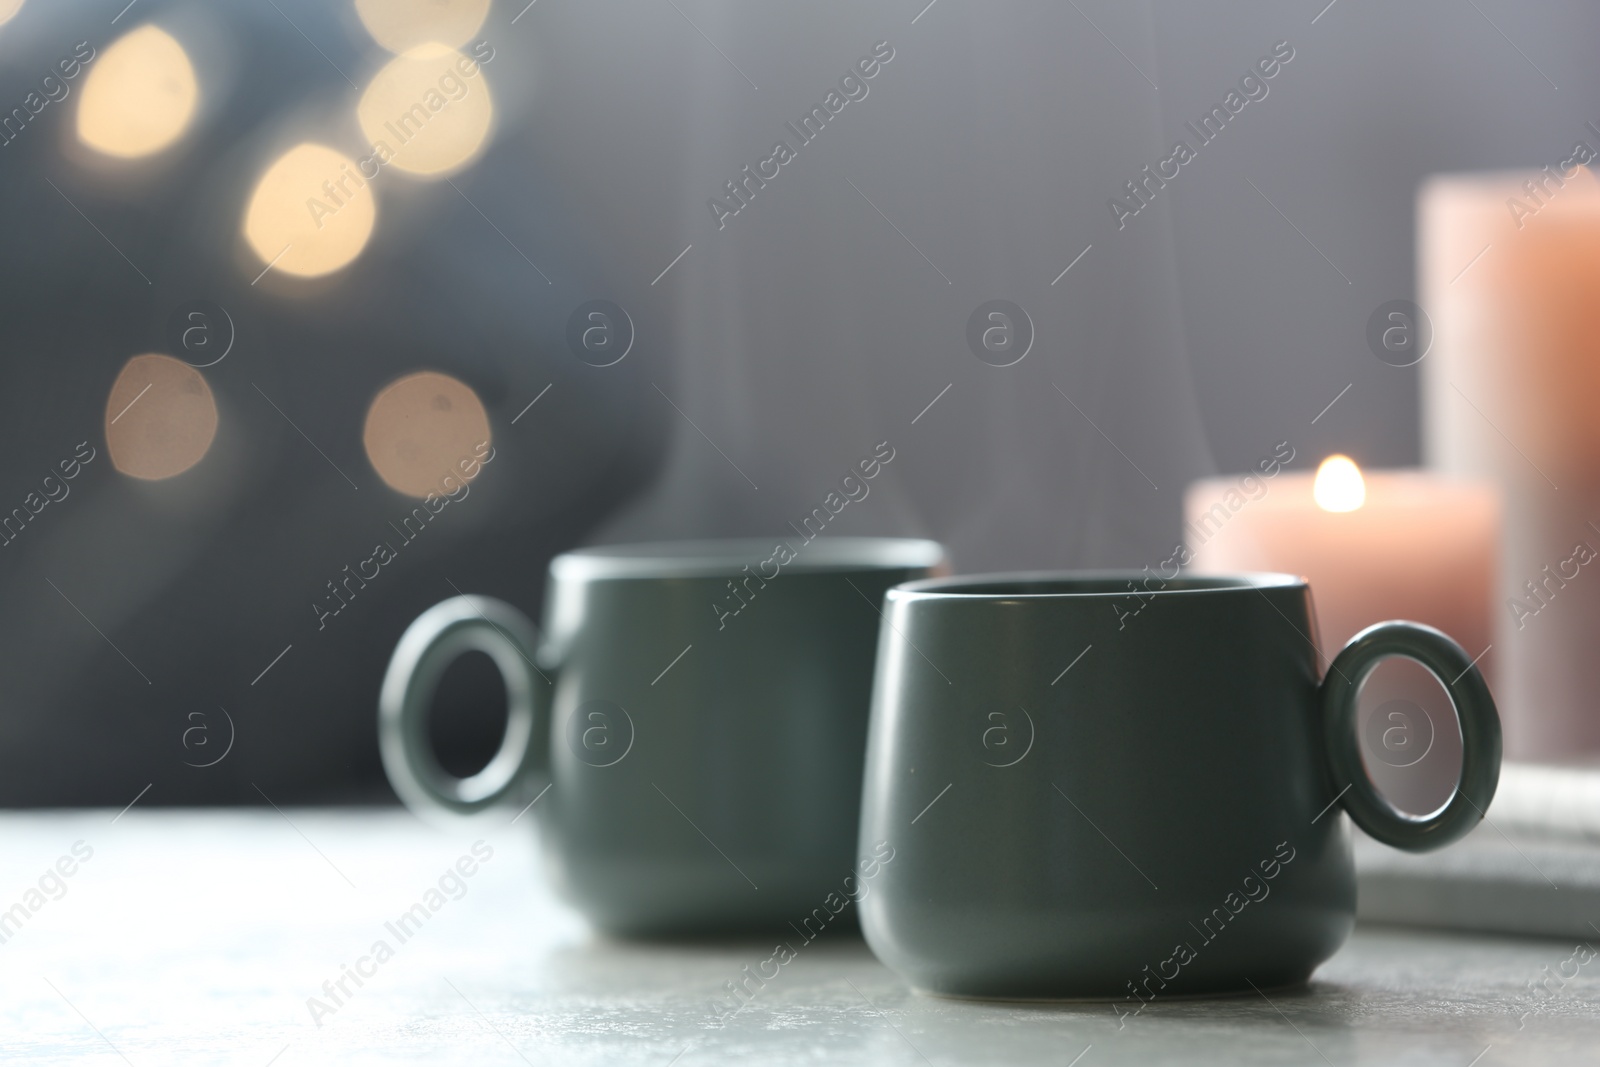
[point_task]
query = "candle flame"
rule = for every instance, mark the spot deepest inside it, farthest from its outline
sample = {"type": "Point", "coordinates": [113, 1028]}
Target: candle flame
{"type": "Point", "coordinates": [1339, 486]}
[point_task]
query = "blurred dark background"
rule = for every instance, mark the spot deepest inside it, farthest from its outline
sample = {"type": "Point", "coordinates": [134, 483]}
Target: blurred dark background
{"type": "Point", "coordinates": [828, 315]}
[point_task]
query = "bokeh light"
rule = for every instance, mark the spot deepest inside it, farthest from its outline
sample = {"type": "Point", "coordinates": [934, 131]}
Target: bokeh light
{"type": "Point", "coordinates": [160, 417]}
{"type": "Point", "coordinates": [426, 433]}
{"type": "Point", "coordinates": [427, 111]}
{"type": "Point", "coordinates": [9, 9]}
{"type": "Point", "coordinates": [139, 96]}
{"type": "Point", "coordinates": [1339, 485]}
{"type": "Point", "coordinates": [312, 211]}
{"type": "Point", "coordinates": [402, 24]}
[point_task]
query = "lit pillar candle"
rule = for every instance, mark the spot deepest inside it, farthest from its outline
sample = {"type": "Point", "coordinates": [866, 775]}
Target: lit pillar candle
{"type": "Point", "coordinates": [1509, 273]}
{"type": "Point", "coordinates": [1388, 545]}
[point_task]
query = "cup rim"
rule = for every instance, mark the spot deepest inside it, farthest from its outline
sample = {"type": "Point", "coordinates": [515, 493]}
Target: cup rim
{"type": "Point", "coordinates": [716, 557]}
{"type": "Point", "coordinates": [1026, 585]}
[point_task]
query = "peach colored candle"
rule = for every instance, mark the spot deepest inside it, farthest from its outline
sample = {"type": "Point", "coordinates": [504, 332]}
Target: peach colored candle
{"type": "Point", "coordinates": [1509, 273]}
{"type": "Point", "coordinates": [1386, 545]}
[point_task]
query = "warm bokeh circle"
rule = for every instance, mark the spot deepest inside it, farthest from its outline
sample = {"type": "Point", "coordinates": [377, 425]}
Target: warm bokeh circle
{"type": "Point", "coordinates": [139, 96]}
{"type": "Point", "coordinates": [427, 111]}
{"type": "Point", "coordinates": [311, 213]}
{"type": "Point", "coordinates": [160, 417]}
{"type": "Point", "coordinates": [423, 433]}
{"type": "Point", "coordinates": [401, 24]}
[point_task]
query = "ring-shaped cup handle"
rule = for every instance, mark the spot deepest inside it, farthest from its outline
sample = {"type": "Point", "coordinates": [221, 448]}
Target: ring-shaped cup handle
{"type": "Point", "coordinates": [1480, 735]}
{"type": "Point", "coordinates": [428, 646]}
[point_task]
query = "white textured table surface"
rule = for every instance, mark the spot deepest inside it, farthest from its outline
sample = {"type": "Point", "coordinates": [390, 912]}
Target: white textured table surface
{"type": "Point", "coordinates": [198, 938]}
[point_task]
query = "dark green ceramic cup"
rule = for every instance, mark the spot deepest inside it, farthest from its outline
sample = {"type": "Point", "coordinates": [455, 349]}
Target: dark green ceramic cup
{"type": "Point", "coordinates": [690, 729]}
{"type": "Point", "coordinates": [1095, 792]}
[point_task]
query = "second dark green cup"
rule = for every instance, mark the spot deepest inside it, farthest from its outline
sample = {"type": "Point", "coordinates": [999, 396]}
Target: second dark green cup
{"type": "Point", "coordinates": [689, 730]}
